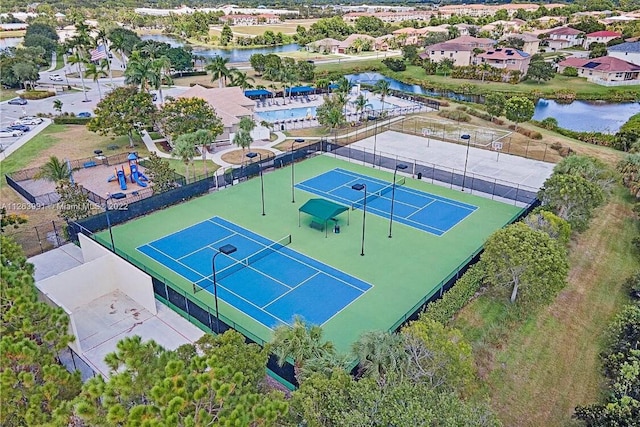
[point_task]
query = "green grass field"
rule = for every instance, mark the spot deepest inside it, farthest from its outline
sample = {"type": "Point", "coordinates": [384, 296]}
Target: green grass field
{"type": "Point", "coordinates": [403, 270]}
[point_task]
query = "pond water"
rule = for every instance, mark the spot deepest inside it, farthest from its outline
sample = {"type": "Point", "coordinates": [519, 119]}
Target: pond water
{"type": "Point", "coordinates": [234, 55]}
{"type": "Point", "coordinates": [579, 115]}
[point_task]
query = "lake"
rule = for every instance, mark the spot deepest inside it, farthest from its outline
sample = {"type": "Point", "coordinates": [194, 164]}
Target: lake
{"type": "Point", "coordinates": [234, 55]}
{"type": "Point", "coordinates": [10, 42]}
{"type": "Point", "coordinates": [580, 116]}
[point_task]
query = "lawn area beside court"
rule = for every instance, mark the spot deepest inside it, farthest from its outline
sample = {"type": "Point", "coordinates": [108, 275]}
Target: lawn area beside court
{"type": "Point", "coordinates": [538, 370]}
{"type": "Point", "coordinates": [7, 94]}
{"type": "Point", "coordinates": [399, 282]}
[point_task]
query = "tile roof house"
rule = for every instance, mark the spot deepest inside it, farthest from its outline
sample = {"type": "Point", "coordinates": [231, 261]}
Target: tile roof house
{"type": "Point", "coordinates": [606, 70]}
{"type": "Point", "coordinates": [327, 45]}
{"type": "Point", "coordinates": [506, 58]}
{"type": "Point", "coordinates": [348, 43]}
{"type": "Point", "coordinates": [531, 42]}
{"type": "Point", "coordinates": [563, 37]}
{"type": "Point", "coordinates": [460, 50]}
{"type": "Point", "coordinates": [629, 51]}
{"type": "Point", "coordinates": [230, 105]}
{"type": "Point", "coordinates": [600, 37]}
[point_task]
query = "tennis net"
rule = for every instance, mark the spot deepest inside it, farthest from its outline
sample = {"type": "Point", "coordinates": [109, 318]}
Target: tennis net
{"type": "Point", "coordinates": [384, 190]}
{"type": "Point", "coordinates": [266, 251]}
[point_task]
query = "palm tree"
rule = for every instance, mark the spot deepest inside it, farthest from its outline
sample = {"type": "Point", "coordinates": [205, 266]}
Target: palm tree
{"type": "Point", "coordinates": [78, 59]}
{"type": "Point", "coordinates": [380, 354]}
{"type": "Point", "coordinates": [361, 102]}
{"type": "Point", "coordinates": [344, 86]}
{"type": "Point", "coordinates": [96, 71]}
{"type": "Point", "coordinates": [300, 342]}
{"type": "Point", "coordinates": [54, 170]}
{"type": "Point", "coordinates": [247, 124]}
{"type": "Point", "coordinates": [484, 67]}
{"type": "Point", "coordinates": [334, 119]}
{"type": "Point", "coordinates": [140, 71]}
{"type": "Point", "coordinates": [382, 87]}
{"type": "Point", "coordinates": [160, 67]}
{"type": "Point", "coordinates": [342, 98]}
{"type": "Point", "coordinates": [57, 105]}
{"type": "Point", "coordinates": [219, 70]}
{"type": "Point", "coordinates": [202, 138]}
{"type": "Point", "coordinates": [185, 149]}
{"type": "Point", "coordinates": [118, 43]}
{"type": "Point", "coordinates": [242, 139]}
{"type": "Point", "coordinates": [238, 78]}
{"type": "Point", "coordinates": [152, 50]}
{"type": "Point", "coordinates": [101, 38]}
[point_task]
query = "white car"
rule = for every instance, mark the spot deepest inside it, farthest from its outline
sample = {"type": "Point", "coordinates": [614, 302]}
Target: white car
{"type": "Point", "coordinates": [9, 133]}
{"type": "Point", "coordinates": [28, 120]}
{"type": "Point", "coordinates": [55, 77]}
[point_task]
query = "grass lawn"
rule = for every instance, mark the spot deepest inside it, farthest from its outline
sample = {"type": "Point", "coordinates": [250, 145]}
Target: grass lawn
{"type": "Point", "coordinates": [6, 94]}
{"type": "Point", "coordinates": [59, 62]}
{"type": "Point", "coordinates": [538, 370]}
{"type": "Point", "coordinates": [579, 85]}
{"type": "Point", "coordinates": [198, 167]}
{"type": "Point", "coordinates": [13, 33]}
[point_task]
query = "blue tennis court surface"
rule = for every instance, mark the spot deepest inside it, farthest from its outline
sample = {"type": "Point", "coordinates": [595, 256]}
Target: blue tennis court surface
{"type": "Point", "coordinates": [424, 211]}
{"type": "Point", "coordinates": [264, 279]}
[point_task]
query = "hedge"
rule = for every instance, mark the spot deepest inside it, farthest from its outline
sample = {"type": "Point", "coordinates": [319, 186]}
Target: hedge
{"type": "Point", "coordinates": [188, 74]}
{"type": "Point", "coordinates": [37, 94]}
{"type": "Point", "coordinates": [70, 120]}
{"type": "Point", "coordinates": [443, 309]}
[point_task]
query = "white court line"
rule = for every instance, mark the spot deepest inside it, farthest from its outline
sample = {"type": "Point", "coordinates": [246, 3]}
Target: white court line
{"type": "Point", "coordinates": [292, 289]}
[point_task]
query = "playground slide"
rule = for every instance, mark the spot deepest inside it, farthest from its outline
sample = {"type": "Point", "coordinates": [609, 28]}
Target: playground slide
{"type": "Point", "coordinates": [137, 176]}
{"type": "Point", "coordinates": [122, 179]}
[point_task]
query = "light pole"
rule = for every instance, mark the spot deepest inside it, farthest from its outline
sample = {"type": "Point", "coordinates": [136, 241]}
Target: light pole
{"type": "Point", "coordinates": [106, 205]}
{"type": "Point", "coordinates": [400, 166]}
{"type": "Point", "coordinates": [227, 250]}
{"type": "Point", "coordinates": [360, 187]}
{"type": "Point", "coordinates": [293, 194]}
{"type": "Point", "coordinates": [466, 138]}
{"type": "Point", "coordinates": [375, 141]}
{"type": "Point", "coordinates": [253, 155]}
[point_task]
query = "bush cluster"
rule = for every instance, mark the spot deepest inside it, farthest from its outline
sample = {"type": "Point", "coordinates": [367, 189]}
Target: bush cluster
{"type": "Point", "coordinates": [459, 116]}
{"type": "Point", "coordinates": [458, 296]}
{"type": "Point", "coordinates": [526, 132]}
{"type": "Point", "coordinates": [595, 138]}
{"type": "Point", "coordinates": [37, 94]}
{"type": "Point", "coordinates": [71, 120]}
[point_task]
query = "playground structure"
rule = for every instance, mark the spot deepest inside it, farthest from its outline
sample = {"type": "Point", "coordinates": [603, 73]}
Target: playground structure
{"type": "Point", "coordinates": [133, 173]}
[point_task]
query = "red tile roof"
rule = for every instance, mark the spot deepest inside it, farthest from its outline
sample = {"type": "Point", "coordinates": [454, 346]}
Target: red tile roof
{"type": "Point", "coordinates": [503, 54]}
{"type": "Point", "coordinates": [565, 31]}
{"type": "Point", "coordinates": [604, 34]}
{"type": "Point", "coordinates": [605, 63]}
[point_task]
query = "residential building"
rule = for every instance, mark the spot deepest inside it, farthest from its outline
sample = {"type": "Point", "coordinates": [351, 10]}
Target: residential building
{"type": "Point", "coordinates": [629, 51]}
{"type": "Point", "coordinates": [230, 105]}
{"type": "Point", "coordinates": [407, 36]}
{"type": "Point", "coordinates": [606, 70]}
{"type": "Point", "coordinates": [506, 58]}
{"type": "Point", "coordinates": [531, 42]}
{"type": "Point", "coordinates": [480, 10]}
{"type": "Point", "coordinates": [350, 43]}
{"type": "Point", "coordinates": [563, 37]}
{"type": "Point", "coordinates": [391, 17]}
{"type": "Point", "coordinates": [550, 21]}
{"type": "Point", "coordinates": [512, 26]}
{"type": "Point", "coordinates": [600, 37]}
{"type": "Point", "coordinates": [327, 45]}
{"type": "Point", "coordinates": [227, 10]}
{"type": "Point", "coordinates": [242, 19]}
{"type": "Point", "coordinates": [461, 50]}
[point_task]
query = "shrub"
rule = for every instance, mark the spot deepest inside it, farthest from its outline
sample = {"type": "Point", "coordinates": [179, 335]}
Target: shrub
{"type": "Point", "coordinates": [37, 94]}
{"type": "Point", "coordinates": [455, 115]}
{"type": "Point", "coordinates": [526, 132]}
{"type": "Point", "coordinates": [570, 72]}
{"type": "Point", "coordinates": [458, 296]}
{"type": "Point", "coordinates": [70, 120]}
{"type": "Point", "coordinates": [395, 64]}
{"type": "Point", "coordinates": [189, 74]}
{"type": "Point", "coordinates": [556, 146]}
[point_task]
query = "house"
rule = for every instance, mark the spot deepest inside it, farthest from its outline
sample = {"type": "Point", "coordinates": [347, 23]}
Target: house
{"type": "Point", "coordinates": [462, 50]}
{"type": "Point", "coordinates": [383, 43]}
{"type": "Point", "coordinates": [351, 43]}
{"type": "Point", "coordinates": [606, 70]}
{"type": "Point", "coordinates": [563, 37]}
{"type": "Point", "coordinates": [241, 19]}
{"type": "Point", "coordinates": [327, 45]}
{"type": "Point", "coordinates": [407, 36]}
{"type": "Point", "coordinates": [531, 42]}
{"type": "Point", "coordinates": [230, 105]}
{"type": "Point", "coordinates": [600, 37]}
{"type": "Point", "coordinates": [629, 51]}
{"type": "Point", "coordinates": [512, 26]}
{"type": "Point", "coordinates": [506, 58]}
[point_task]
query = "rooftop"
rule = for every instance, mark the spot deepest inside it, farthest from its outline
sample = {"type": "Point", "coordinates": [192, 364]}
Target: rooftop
{"type": "Point", "coordinates": [604, 63]}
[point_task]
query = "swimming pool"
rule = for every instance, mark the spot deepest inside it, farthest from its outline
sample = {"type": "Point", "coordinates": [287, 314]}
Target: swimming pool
{"type": "Point", "coordinates": [289, 113]}
{"type": "Point", "coordinates": [374, 101]}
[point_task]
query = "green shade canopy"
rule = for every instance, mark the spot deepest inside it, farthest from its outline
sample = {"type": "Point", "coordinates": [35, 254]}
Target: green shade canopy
{"type": "Point", "coordinates": [322, 209]}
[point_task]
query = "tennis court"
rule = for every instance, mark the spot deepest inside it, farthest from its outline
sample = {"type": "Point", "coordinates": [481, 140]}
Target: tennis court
{"type": "Point", "coordinates": [424, 211]}
{"type": "Point", "coordinates": [263, 279]}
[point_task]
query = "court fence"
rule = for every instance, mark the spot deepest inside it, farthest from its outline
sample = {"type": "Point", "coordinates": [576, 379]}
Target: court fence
{"type": "Point", "coordinates": [38, 239]}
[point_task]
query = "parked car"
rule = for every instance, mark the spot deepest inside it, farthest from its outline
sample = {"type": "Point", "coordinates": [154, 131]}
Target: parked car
{"type": "Point", "coordinates": [55, 77]}
{"type": "Point", "coordinates": [154, 96]}
{"type": "Point", "coordinates": [18, 101]}
{"type": "Point", "coordinates": [84, 114]}
{"type": "Point", "coordinates": [8, 133]}
{"type": "Point", "coordinates": [28, 121]}
{"type": "Point", "coordinates": [23, 128]}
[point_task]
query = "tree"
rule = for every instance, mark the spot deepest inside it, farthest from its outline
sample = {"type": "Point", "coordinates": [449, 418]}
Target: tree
{"type": "Point", "coordinates": [572, 198]}
{"type": "Point", "coordinates": [74, 201]}
{"type": "Point", "coordinates": [395, 64]}
{"type": "Point", "coordinates": [242, 139]}
{"type": "Point", "coordinates": [445, 66]}
{"type": "Point", "coordinates": [161, 67]}
{"type": "Point", "coordinates": [382, 87]}
{"type": "Point", "coordinates": [238, 78]}
{"type": "Point", "coordinates": [96, 71]}
{"type": "Point", "coordinates": [300, 342]}
{"type": "Point", "coordinates": [519, 109]}
{"type": "Point", "coordinates": [187, 115]}
{"type": "Point", "coordinates": [540, 71]}
{"type": "Point", "coordinates": [629, 168]}
{"type": "Point", "coordinates": [330, 114]}
{"type": "Point", "coordinates": [160, 173]}
{"type": "Point", "coordinates": [184, 148]}
{"type": "Point", "coordinates": [122, 111]}
{"type": "Point", "coordinates": [34, 384]}
{"type": "Point", "coordinates": [528, 262]}
{"type": "Point", "coordinates": [494, 103]}
{"type": "Point", "coordinates": [54, 170]}
{"type": "Point", "coordinates": [258, 62]}
{"type": "Point", "coordinates": [592, 169]}
{"type": "Point", "coordinates": [78, 59]}
{"type": "Point", "coordinates": [226, 36]}
{"type": "Point", "coordinates": [597, 50]}
{"type": "Point", "coordinates": [140, 72]}
{"type": "Point", "coordinates": [485, 67]}
{"type": "Point", "coordinates": [219, 71]}
{"type": "Point", "coordinates": [25, 72]}
{"type": "Point", "coordinates": [57, 105]}
{"type": "Point", "coordinates": [410, 53]}
{"type": "Point", "coordinates": [360, 103]}
{"type": "Point", "coordinates": [380, 354]}
{"type": "Point", "coordinates": [547, 222]}
{"type": "Point", "coordinates": [570, 72]}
